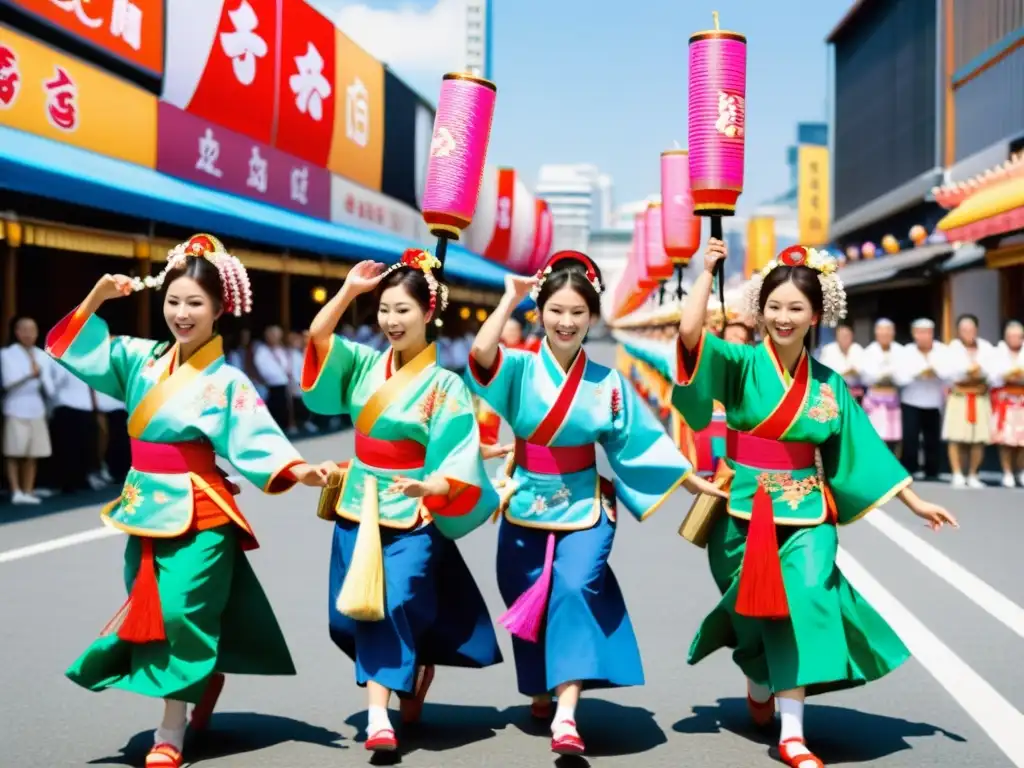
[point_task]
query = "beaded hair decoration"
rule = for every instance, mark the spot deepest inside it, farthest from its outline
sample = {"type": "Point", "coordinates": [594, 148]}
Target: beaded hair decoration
{"type": "Point", "coordinates": [832, 292]}
{"type": "Point", "coordinates": [236, 296]}
{"type": "Point", "coordinates": [543, 274]}
{"type": "Point", "coordinates": [425, 262]}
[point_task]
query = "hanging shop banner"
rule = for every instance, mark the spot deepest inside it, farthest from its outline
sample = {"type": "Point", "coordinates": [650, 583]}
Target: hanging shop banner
{"type": "Point", "coordinates": [403, 151]}
{"type": "Point", "coordinates": [760, 243]}
{"type": "Point", "coordinates": [204, 153]}
{"type": "Point", "coordinates": [50, 94]}
{"type": "Point", "coordinates": [363, 208]}
{"type": "Point", "coordinates": [131, 30]}
{"type": "Point", "coordinates": [305, 87]}
{"type": "Point", "coordinates": [357, 146]}
{"type": "Point", "coordinates": [222, 62]}
{"type": "Point", "coordinates": [813, 195]}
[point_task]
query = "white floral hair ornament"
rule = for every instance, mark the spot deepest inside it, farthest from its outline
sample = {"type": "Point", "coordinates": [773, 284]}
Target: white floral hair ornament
{"type": "Point", "coordinates": [582, 258]}
{"type": "Point", "coordinates": [236, 296]}
{"type": "Point", "coordinates": [832, 292]}
{"type": "Point", "coordinates": [425, 262]}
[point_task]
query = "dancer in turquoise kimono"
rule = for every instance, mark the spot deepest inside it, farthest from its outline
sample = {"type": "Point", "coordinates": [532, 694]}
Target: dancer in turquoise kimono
{"type": "Point", "coordinates": [196, 609]}
{"type": "Point", "coordinates": [402, 600]}
{"type": "Point", "coordinates": [803, 459]}
{"type": "Point", "coordinates": [571, 630]}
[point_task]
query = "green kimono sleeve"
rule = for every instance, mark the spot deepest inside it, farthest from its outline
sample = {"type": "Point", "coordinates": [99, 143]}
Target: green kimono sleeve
{"type": "Point", "coordinates": [253, 442]}
{"type": "Point", "coordinates": [715, 370]}
{"type": "Point", "coordinates": [327, 384]}
{"type": "Point", "coordinates": [861, 471]}
{"type": "Point", "coordinates": [83, 344]}
{"type": "Point", "coordinates": [453, 451]}
{"type": "Point", "coordinates": [499, 386]}
{"type": "Point", "coordinates": [647, 465]}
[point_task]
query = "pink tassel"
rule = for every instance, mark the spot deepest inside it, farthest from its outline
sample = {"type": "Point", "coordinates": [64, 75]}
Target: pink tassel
{"type": "Point", "coordinates": [525, 616]}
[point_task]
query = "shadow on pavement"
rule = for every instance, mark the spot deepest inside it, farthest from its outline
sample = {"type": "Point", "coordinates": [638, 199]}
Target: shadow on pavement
{"type": "Point", "coordinates": [231, 733]}
{"type": "Point", "coordinates": [609, 729]}
{"type": "Point", "coordinates": [443, 727]}
{"type": "Point", "coordinates": [835, 734]}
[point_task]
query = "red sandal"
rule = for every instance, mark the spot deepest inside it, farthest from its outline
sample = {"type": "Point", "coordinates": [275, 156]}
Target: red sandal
{"type": "Point", "coordinates": [801, 759]}
{"type": "Point", "coordinates": [203, 711]}
{"type": "Point", "coordinates": [412, 708]}
{"type": "Point", "coordinates": [567, 743]}
{"type": "Point", "coordinates": [164, 756]}
{"type": "Point", "coordinates": [383, 740]}
{"type": "Point", "coordinates": [761, 712]}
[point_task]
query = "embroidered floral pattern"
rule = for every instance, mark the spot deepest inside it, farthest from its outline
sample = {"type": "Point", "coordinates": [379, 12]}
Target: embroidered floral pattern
{"type": "Point", "coordinates": [538, 507]}
{"type": "Point", "coordinates": [431, 403]}
{"type": "Point", "coordinates": [563, 494]}
{"type": "Point", "coordinates": [160, 497]}
{"type": "Point", "coordinates": [616, 402]}
{"type": "Point", "coordinates": [246, 399]}
{"type": "Point", "coordinates": [825, 408]}
{"type": "Point", "coordinates": [793, 491]}
{"type": "Point", "coordinates": [211, 396]}
{"type": "Point", "coordinates": [131, 499]}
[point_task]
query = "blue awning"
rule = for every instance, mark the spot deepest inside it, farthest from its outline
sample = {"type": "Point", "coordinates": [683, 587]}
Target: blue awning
{"type": "Point", "coordinates": [38, 166]}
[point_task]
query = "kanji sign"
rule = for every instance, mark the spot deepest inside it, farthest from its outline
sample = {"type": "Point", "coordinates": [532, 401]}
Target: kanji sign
{"type": "Point", "coordinates": [813, 194]}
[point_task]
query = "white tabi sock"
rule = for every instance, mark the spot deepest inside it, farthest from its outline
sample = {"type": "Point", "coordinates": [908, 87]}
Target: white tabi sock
{"type": "Point", "coordinates": [565, 719]}
{"type": "Point", "coordinates": [759, 693]}
{"type": "Point", "coordinates": [377, 720]}
{"type": "Point", "coordinates": [172, 729]}
{"type": "Point", "coordinates": [792, 714]}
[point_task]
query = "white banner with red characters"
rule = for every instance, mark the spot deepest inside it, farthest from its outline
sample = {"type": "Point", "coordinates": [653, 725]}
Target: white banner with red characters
{"type": "Point", "coordinates": [543, 236]}
{"type": "Point", "coordinates": [505, 221]}
{"type": "Point", "coordinates": [364, 208]}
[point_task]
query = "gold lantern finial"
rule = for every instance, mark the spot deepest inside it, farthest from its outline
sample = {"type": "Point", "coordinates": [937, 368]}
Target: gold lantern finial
{"type": "Point", "coordinates": [714, 15]}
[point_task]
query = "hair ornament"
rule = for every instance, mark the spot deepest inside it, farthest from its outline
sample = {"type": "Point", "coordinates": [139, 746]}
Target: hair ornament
{"type": "Point", "coordinates": [582, 258]}
{"type": "Point", "coordinates": [425, 262]}
{"type": "Point", "coordinates": [832, 292]}
{"type": "Point", "coordinates": [236, 297]}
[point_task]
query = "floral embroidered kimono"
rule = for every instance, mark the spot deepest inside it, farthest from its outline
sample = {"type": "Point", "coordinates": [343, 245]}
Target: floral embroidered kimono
{"type": "Point", "coordinates": [805, 459]}
{"type": "Point", "coordinates": [416, 421]}
{"type": "Point", "coordinates": [968, 415]}
{"type": "Point", "coordinates": [560, 515]}
{"type": "Point", "coordinates": [195, 605]}
{"type": "Point", "coordinates": [1007, 370]}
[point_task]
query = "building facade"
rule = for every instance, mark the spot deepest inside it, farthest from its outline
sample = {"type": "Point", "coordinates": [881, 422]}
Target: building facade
{"type": "Point", "coordinates": [478, 53]}
{"type": "Point", "coordinates": [580, 199]}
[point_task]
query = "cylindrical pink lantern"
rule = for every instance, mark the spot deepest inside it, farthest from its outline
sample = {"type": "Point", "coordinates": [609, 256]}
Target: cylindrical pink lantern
{"type": "Point", "coordinates": [680, 227]}
{"type": "Point", "coordinates": [717, 119]}
{"type": "Point", "coordinates": [462, 130]}
{"type": "Point", "coordinates": [659, 266]}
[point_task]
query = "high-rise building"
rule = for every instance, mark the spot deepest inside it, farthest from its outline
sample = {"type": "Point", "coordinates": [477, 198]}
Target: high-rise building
{"type": "Point", "coordinates": [580, 199]}
{"type": "Point", "coordinates": [478, 38]}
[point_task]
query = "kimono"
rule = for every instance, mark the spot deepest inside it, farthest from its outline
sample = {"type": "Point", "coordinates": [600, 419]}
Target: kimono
{"type": "Point", "coordinates": [416, 421]}
{"type": "Point", "coordinates": [805, 459]}
{"type": "Point", "coordinates": [486, 417]}
{"type": "Point", "coordinates": [560, 515]}
{"type": "Point", "coordinates": [968, 416]}
{"type": "Point", "coordinates": [882, 399]}
{"type": "Point", "coordinates": [847, 364]}
{"type": "Point", "coordinates": [1007, 378]}
{"type": "Point", "coordinates": [207, 613]}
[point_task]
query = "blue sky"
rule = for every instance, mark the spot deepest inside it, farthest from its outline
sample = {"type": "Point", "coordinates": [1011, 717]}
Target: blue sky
{"type": "Point", "coordinates": [605, 82]}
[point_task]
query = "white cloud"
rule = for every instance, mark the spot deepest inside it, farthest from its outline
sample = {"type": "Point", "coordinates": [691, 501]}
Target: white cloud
{"type": "Point", "coordinates": [414, 41]}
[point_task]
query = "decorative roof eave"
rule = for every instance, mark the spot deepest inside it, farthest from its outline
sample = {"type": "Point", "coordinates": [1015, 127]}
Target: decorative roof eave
{"type": "Point", "coordinates": [949, 196]}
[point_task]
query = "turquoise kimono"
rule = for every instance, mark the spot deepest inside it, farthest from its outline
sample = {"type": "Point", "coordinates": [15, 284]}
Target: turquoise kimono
{"type": "Point", "coordinates": [184, 562]}
{"type": "Point", "coordinates": [554, 492]}
{"type": "Point", "coordinates": [806, 459]}
{"type": "Point", "coordinates": [414, 422]}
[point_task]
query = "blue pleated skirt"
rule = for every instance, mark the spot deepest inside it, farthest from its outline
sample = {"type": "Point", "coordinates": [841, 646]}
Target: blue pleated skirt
{"type": "Point", "coordinates": [434, 612]}
{"type": "Point", "coordinates": [587, 635]}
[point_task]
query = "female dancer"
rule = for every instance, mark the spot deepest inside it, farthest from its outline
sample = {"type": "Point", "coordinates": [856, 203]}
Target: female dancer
{"type": "Point", "coordinates": [796, 625]}
{"type": "Point", "coordinates": [417, 442]}
{"type": "Point", "coordinates": [206, 613]}
{"type": "Point", "coordinates": [560, 516]}
{"type": "Point", "coordinates": [1008, 402]}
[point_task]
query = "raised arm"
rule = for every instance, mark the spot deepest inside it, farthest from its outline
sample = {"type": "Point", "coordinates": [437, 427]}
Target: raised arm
{"type": "Point", "coordinates": [695, 307]}
{"type": "Point", "coordinates": [362, 278]}
{"type": "Point", "coordinates": [485, 346]}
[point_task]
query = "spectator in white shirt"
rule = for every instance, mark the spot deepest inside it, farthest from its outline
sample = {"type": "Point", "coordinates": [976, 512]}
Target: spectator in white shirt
{"type": "Point", "coordinates": [27, 381]}
{"type": "Point", "coordinates": [273, 363]}
{"type": "Point", "coordinates": [297, 351]}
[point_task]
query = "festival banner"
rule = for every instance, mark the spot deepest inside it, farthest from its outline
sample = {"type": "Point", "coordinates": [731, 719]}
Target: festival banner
{"type": "Point", "coordinates": [760, 243]}
{"type": "Point", "coordinates": [305, 88]}
{"type": "Point", "coordinates": [357, 146]}
{"type": "Point", "coordinates": [204, 153]}
{"type": "Point", "coordinates": [363, 208]}
{"type": "Point", "coordinates": [131, 30]}
{"type": "Point", "coordinates": [408, 129]}
{"type": "Point", "coordinates": [50, 94]}
{"type": "Point", "coordinates": [813, 195]}
{"type": "Point", "coordinates": [222, 62]}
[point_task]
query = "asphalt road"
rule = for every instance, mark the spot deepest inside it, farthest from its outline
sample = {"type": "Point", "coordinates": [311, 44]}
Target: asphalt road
{"type": "Point", "coordinates": [953, 596]}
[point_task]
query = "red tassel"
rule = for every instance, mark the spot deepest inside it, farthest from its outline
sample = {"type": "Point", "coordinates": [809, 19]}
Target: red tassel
{"type": "Point", "coordinates": [762, 593]}
{"type": "Point", "coordinates": [144, 622]}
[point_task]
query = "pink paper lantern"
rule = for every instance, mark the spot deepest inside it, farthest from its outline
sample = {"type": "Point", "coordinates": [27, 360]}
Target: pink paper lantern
{"type": "Point", "coordinates": [659, 266]}
{"type": "Point", "coordinates": [680, 228]}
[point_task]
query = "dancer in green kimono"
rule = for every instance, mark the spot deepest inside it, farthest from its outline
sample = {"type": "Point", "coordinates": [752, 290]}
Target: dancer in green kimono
{"type": "Point", "coordinates": [195, 609]}
{"type": "Point", "coordinates": [795, 624]}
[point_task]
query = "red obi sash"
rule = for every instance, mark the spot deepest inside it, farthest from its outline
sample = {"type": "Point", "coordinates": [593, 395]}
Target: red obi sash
{"type": "Point", "coordinates": [390, 454]}
{"type": "Point", "coordinates": [551, 460]}
{"type": "Point", "coordinates": [173, 458]}
{"type": "Point", "coordinates": [762, 453]}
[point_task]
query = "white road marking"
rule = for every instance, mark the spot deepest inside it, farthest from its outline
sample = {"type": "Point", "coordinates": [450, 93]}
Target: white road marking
{"type": "Point", "coordinates": [973, 588]}
{"type": "Point", "coordinates": [53, 544]}
{"type": "Point", "coordinates": [1003, 723]}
